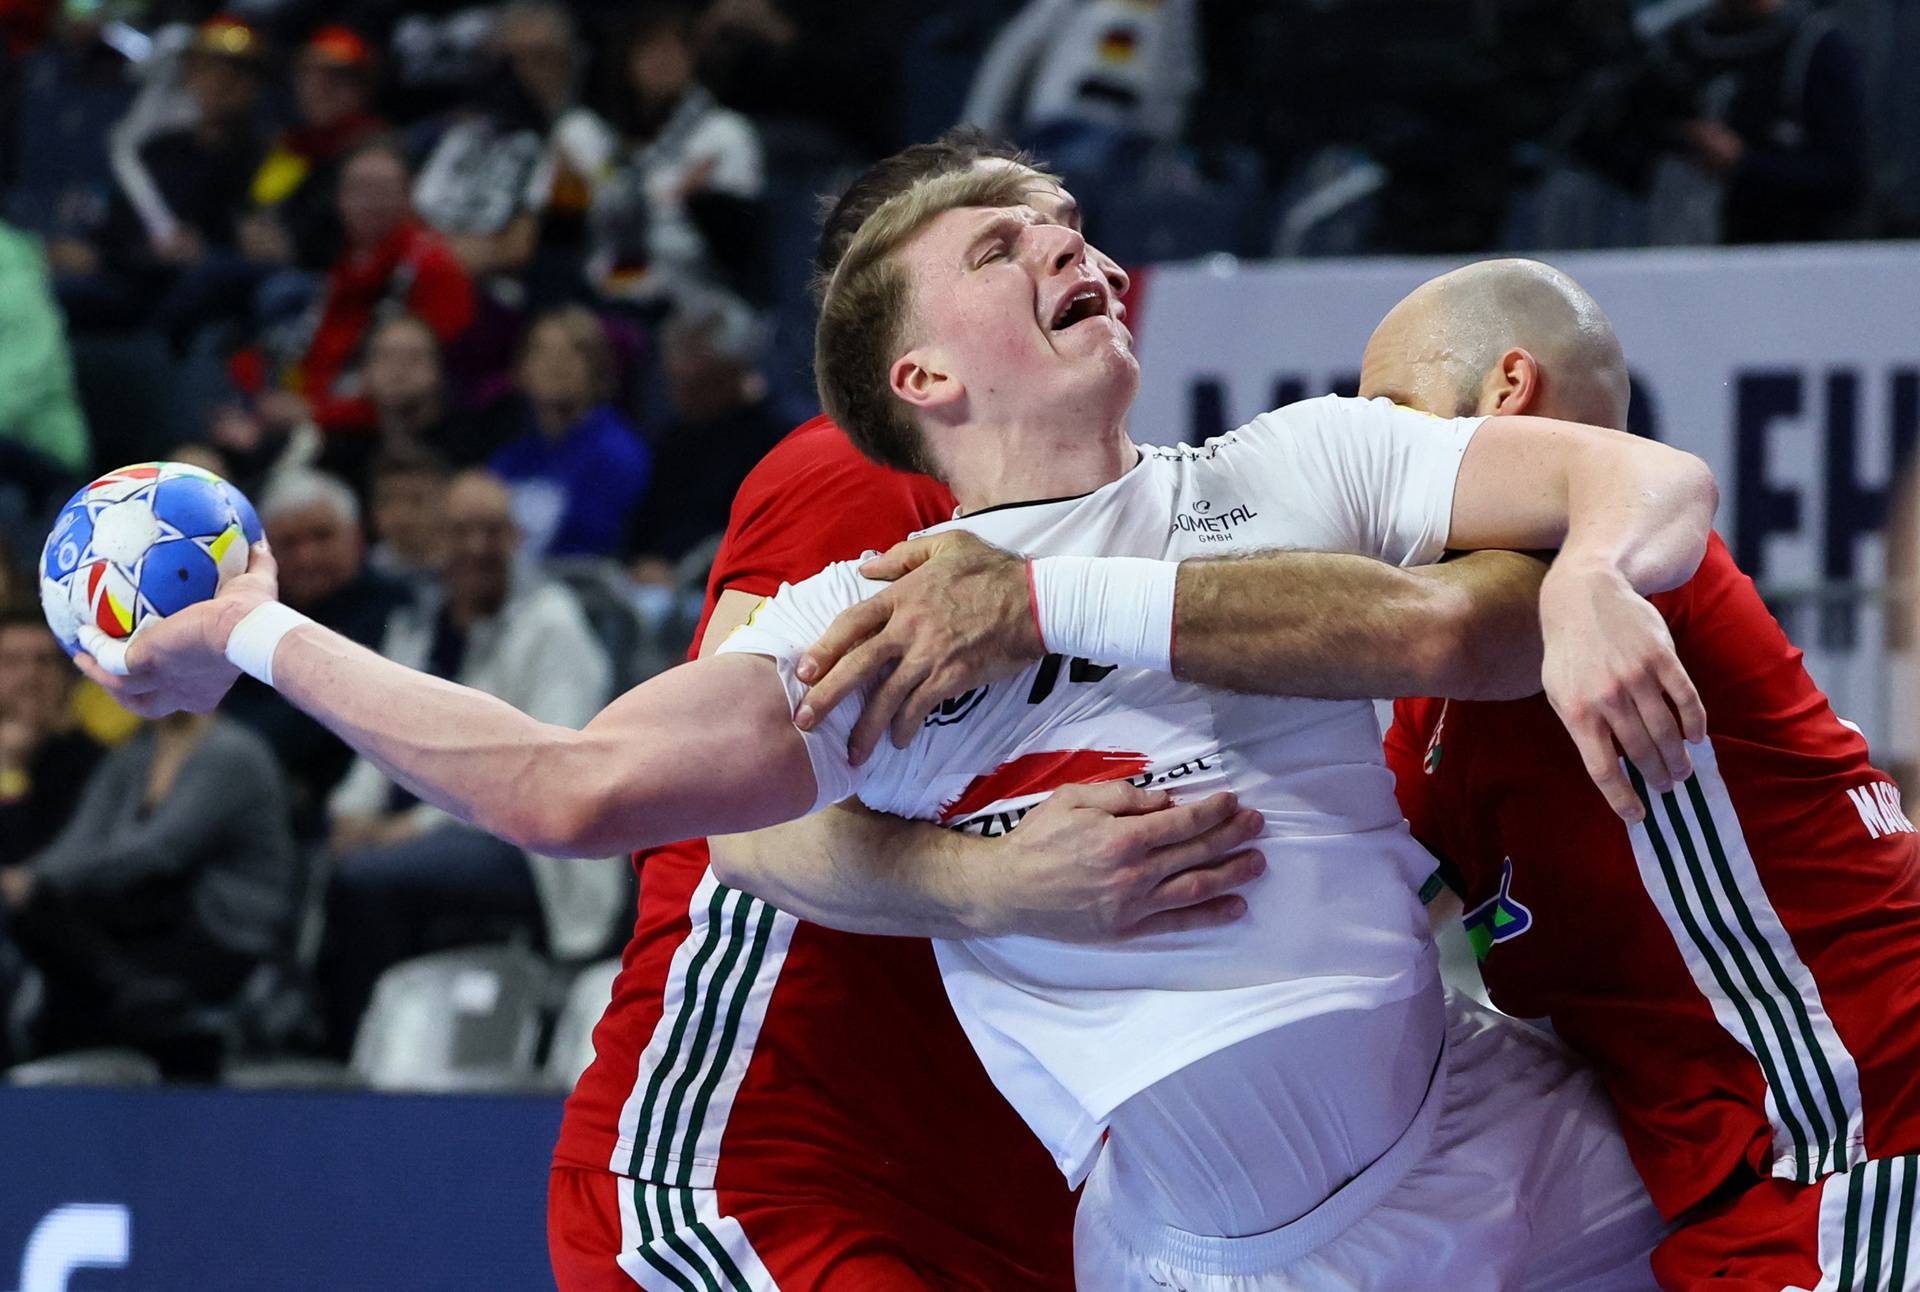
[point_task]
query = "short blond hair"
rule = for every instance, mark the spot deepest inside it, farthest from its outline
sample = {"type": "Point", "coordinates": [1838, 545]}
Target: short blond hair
{"type": "Point", "coordinates": [866, 303]}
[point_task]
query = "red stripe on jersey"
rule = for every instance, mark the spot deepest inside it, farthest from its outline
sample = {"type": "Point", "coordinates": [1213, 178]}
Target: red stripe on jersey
{"type": "Point", "coordinates": [1504, 782]}
{"type": "Point", "coordinates": [1042, 773]}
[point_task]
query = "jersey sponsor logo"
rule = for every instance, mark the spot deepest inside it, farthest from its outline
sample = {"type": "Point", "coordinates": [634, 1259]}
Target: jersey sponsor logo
{"type": "Point", "coordinates": [1878, 803]}
{"type": "Point", "coordinates": [956, 710]}
{"type": "Point", "coordinates": [1498, 919]}
{"type": "Point", "coordinates": [1209, 523]}
{"type": "Point", "coordinates": [1038, 779]}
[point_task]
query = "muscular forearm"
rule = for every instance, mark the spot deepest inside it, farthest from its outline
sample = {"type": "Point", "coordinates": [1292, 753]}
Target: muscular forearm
{"type": "Point", "coordinates": [861, 872]}
{"type": "Point", "coordinates": [459, 749]}
{"type": "Point", "coordinates": [1350, 627]}
{"type": "Point", "coordinates": [660, 763]}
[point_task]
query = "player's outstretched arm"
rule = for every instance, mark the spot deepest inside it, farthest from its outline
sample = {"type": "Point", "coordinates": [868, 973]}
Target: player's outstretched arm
{"type": "Point", "coordinates": [1090, 863]}
{"type": "Point", "coordinates": [660, 763]}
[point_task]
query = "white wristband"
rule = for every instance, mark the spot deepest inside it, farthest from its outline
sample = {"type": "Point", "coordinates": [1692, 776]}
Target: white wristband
{"type": "Point", "coordinates": [1107, 609]}
{"type": "Point", "coordinates": [251, 645]}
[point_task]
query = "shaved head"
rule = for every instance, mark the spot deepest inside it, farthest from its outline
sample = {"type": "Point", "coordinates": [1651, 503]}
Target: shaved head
{"type": "Point", "coordinates": [1456, 345]}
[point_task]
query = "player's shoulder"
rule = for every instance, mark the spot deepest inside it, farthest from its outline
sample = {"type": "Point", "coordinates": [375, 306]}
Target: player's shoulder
{"type": "Point", "coordinates": [794, 617]}
{"type": "Point", "coordinates": [815, 464]}
{"type": "Point", "coordinates": [1294, 425]}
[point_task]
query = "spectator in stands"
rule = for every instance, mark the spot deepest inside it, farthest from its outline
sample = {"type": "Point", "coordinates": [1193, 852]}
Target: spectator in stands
{"type": "Point", "coordinates": [44, 760]}
{"type": "Point", "coordinates": [1090, 83]}
{"type": "Point", "coordinates": [1762, 103]}
{"type": "Point", "coordinates": [44, 444]}
{"type": "Point", "coordinates": [295, 218]}
{"type": "Point", "coordinates": [392, 264]}
{"type": "Point", "coordinates": [579, 469]}
{"type": "Point", "coordinates": [58, 104]}
{"type": "Point", "coordinates": [408, 391]}
{"type": "Point", "coordinates": [262, 439]}
{"type": "Point", "coordinates": [678, 177]}
{"type": "Point", "coordinates": [410, 877]}
{"type": "Point", "coordinates": [722, 426]}
{"type": "Point", "coordinates": [409, 493]}
{"type": "Point", "coordinates": [171, 880]}
{"type": "Point", "coordinates": [290, 231]}
{"type": "Point", "coordinates": [488, 178]}
{"type": "Point", "coordinates": [313, 522]}
{"type": "Point", "coordinates": [792, 59]}
{"type": "Point", "coordinates": [179, 193]}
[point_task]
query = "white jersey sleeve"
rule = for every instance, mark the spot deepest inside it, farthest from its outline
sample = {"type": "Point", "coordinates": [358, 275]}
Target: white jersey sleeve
{"type": "Point", "coordinates": [781, 627]}
{"type": "Point", "coordinates": [1378, 477]}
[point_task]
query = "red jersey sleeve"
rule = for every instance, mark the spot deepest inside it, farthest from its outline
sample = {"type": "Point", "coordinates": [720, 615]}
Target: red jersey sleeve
{"type": "Point", "coordinates": [811, 501]}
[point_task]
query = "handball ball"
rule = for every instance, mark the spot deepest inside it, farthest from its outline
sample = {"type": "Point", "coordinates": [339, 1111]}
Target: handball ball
{"type": "Point", "coordinates": [139, 544]}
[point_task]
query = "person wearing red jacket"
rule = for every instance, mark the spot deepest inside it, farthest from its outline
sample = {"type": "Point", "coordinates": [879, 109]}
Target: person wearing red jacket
{"type": "Point", "coordinates": [393, 264]}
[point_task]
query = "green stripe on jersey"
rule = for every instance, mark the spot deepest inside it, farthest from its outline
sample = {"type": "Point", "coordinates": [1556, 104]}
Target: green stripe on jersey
{"type": "Point", "coordinates": [1716, 965]}
{"type": "Point", "coordinates": [1835, 1113]}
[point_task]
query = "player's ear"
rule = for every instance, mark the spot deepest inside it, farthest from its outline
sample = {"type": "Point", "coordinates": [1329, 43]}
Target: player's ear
{"type": "Point", "coordinates": [921, 379]}
{"type": "Point", "coordinates": [1514, 385]}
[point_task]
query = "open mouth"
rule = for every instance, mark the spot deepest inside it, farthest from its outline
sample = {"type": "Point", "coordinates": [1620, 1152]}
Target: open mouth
{"type": "Point", "coordinates": [1086, 303]}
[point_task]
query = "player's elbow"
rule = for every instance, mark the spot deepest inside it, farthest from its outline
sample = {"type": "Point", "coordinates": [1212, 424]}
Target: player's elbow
{"type": "Point", "coordinates": [1441, 654]}
{"type": "Point", "coordinates": [1475, 647]}
{"type": "Point", "coordinates": [570, 811]}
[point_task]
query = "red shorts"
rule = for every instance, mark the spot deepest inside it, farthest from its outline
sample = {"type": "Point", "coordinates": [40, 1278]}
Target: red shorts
{"type": "Point", "coordinates": [605, 1233]}
{"type": "Point", "coordinates": [1852, 1231]}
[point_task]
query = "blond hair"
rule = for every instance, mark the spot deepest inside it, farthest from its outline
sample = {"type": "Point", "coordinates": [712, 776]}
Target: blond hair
{"type": "Point", "coordinates": [867, 301]}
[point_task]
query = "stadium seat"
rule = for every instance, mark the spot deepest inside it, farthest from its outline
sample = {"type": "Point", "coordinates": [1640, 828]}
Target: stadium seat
{"type": "Point", "coordinates": [455, 1020]}
{"type": "Point", "coordinates": [572, 1047]}
{"type": "Point", "coordinates": [87, 1068]}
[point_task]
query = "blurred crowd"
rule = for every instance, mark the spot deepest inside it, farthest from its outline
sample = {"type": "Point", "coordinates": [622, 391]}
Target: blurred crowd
{"type": "Point", "coordinates": [490, 307]}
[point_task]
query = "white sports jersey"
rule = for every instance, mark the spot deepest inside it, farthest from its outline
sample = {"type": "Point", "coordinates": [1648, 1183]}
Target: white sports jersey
{"type": "Point", "coordinates": [1069, 1032]}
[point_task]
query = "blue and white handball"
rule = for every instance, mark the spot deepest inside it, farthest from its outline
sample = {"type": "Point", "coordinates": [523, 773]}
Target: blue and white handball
{"type": "Point", "coordinates": [140, 543]}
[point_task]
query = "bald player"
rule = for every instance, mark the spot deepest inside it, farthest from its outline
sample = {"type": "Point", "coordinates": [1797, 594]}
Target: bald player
{"type": "Point", "coordinates": [1739, 957]}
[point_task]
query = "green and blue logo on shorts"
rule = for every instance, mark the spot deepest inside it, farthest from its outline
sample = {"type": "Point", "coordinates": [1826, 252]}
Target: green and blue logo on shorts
{"type": "Point", "coordinates": [1498, 919]}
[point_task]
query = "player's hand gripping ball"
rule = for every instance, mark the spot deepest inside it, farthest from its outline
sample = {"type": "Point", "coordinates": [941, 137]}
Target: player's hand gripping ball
{"type": "Point", "coordinates": [140, 543]}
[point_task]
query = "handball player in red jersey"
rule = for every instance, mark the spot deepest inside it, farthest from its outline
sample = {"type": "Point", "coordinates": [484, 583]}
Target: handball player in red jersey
{"type": "Point", "coordinates": [1742, 967]}
{"type": "Point", "coordinates": [774, 1103]}
{"type": "Point", "coordinates": [1727, 927]}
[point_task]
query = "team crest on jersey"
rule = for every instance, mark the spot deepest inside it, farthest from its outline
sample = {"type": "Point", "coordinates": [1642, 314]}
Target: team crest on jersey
{"type": "Point", "coordinates": [1498, 919]}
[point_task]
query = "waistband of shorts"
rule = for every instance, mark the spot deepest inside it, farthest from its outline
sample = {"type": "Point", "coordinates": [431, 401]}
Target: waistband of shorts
{"type": "Point", "coordinates": [1276, 1248]}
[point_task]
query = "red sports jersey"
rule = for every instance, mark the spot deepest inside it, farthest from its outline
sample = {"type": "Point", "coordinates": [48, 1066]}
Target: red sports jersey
{"type": "Point", "coordinates": [754, 1054]}
{"type": "Point", "coordinates": [1742, 969]}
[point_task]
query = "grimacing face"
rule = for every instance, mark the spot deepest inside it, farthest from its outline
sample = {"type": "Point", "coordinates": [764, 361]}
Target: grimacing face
{"type": "Point", "coordinates": [1017, 310]}
{"type": "Point", "coordinates": [1057, 206]}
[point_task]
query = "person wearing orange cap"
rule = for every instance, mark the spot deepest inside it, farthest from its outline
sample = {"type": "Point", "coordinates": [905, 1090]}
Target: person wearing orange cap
{"type": "Point", "coordinates": [287, 231]}
{"type": "Point", "coordinates": [294, 220]}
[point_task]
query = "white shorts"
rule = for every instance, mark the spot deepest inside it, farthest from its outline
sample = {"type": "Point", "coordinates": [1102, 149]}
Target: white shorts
{"type": "Point", "coordinates": [1511, 1176]}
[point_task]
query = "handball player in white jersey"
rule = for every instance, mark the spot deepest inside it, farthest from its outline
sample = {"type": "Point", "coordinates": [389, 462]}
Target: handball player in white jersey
{"type": "Point", "coordinates": [1283, 1107]}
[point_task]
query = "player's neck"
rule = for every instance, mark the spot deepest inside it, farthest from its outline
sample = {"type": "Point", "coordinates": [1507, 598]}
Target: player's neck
{"type": "Point", "coordinates": [1025, 465]}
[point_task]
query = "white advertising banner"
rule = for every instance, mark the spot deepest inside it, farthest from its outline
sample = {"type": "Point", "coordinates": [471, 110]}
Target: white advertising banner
{"type": "Point", "coordinates": [1795, 372]}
